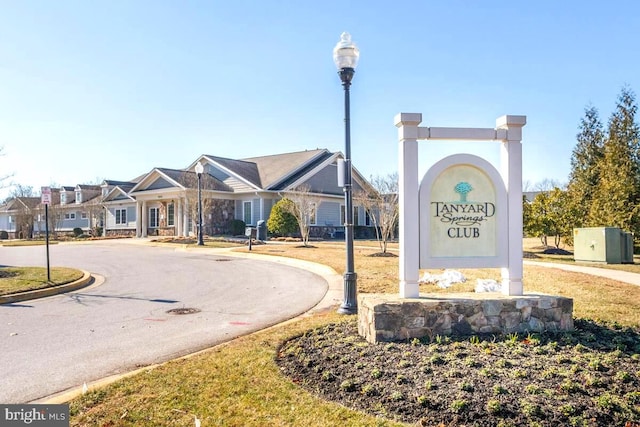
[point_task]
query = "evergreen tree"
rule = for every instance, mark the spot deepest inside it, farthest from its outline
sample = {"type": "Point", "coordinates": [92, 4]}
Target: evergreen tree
{"type": "Point", "coordinates": [585, 173]}
{"type": "Point", "coordinates": [617, 194]}
{"type": "Point", "coordinates": [281, 221]}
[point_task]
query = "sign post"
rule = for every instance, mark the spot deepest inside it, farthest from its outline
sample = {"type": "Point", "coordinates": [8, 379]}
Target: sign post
{"type": "Point", "coordinates": [46, 201]}
{"type": "Point", "coordinates": [464, 213]}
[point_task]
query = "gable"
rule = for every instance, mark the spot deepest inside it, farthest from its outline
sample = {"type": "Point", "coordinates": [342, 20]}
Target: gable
{"type": "Point", "coordinates": [159, 183]}
{"type": "Point", "coordinates": [326, 181]}
{"type": "Point", "coordinates": [121, 196]}
{"type": "Point", "coordinates": [277, 170]}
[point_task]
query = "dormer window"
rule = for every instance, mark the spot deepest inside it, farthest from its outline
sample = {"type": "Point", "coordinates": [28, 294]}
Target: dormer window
{"type": "Point", "coordinates": [78, 196]}
{"type": "Point", "coordinates": [105, 191]}
{"type": "Point", "coordinates": [63, 198]}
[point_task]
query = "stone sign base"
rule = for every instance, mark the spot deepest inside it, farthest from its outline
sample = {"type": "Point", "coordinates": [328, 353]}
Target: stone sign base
{"type": "Point", "coordinates": [387, 317]}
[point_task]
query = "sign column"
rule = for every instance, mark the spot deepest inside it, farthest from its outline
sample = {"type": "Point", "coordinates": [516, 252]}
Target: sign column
{"type": "Point", "coordinates": [407, 124]}
{"type": "Point", "coordinates": [511, 170]}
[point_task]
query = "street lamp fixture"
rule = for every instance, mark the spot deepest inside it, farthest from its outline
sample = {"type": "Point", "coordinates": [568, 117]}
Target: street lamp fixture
{"type": "Point", "coordinates": [199, 170]}
{"type": "Point", "coordinates": [345, 56]}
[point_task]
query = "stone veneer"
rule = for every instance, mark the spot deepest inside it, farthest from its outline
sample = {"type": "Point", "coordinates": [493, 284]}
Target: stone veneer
{"type": "Point", "coordinates": [386, 317]}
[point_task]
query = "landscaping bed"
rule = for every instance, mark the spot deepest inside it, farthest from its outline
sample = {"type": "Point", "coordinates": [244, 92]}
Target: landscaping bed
{"type": "Point", "coordinates": [590, 377]}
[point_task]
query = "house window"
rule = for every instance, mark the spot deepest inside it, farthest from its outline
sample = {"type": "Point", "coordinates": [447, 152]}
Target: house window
{"type": "Point", "coordinates": [171, 214]}
{"type": "Point", "coordinates": [70, 215]}
{"type": "Point", "coordinates": [63, 198]}
{"type": "Point", "coordinates": [367, 218]}
{"type": "Point", "coordinates": [105, 191]}
{"type": "Point", "coordinates": [342, 215]}
{"type": "Point", "coordinates": [247, 212]}
{"type": "Point", "coordinates": [154, 217]}
{"type": "Point", "coordinates": [356, 212]}
{"type": "Point", "coordinates": [121, 216]}
{"type": "Point", "coordinates": [312, 214]}
{"type": "Point", "coordinates": [83, 215]}
{"type": "Point", "coordinates": [10, 219]}
{"type": "Point", "coordinates": [78, 196]}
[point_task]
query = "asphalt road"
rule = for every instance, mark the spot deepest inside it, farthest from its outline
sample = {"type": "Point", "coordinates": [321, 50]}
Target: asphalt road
{"type": "Point", "coordinates": [60, 342]}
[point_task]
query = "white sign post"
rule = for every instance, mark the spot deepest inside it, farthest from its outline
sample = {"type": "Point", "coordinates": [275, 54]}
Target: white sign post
{"type": "Point", "coordinates": [45, 199]}
{"type": "Point", "coordinates": [476, 229]}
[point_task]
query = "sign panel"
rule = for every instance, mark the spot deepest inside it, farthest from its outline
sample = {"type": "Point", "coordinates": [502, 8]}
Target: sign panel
{"type": "Point", "coordinates": [463, 213]}
{"type": "Point", "coordinates": [45, 197]}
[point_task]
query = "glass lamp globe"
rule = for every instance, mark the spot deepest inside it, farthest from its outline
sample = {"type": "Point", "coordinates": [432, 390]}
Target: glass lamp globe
{"type": "Point", "coordinates": [346, 53]}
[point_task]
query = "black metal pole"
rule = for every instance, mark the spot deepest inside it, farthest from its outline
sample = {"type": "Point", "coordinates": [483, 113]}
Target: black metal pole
{"type": "Point", "coordinates": [46, 238]}
{"type": "Point", "coordinates": [350, 303]}
{"type": "Point", "coordinates": [200, 240]}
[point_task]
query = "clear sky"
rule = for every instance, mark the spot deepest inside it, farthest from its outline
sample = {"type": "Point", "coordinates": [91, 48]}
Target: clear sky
{"type": "Point", "coordinates": [111, 89]}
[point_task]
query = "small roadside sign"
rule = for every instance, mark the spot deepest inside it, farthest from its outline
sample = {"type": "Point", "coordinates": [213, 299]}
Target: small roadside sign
{"type": "Point", "coordinates": [45, 197]}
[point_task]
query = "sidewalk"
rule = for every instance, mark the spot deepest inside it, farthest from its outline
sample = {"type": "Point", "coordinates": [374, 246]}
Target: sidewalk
{"type": "Point", "coordinates": [621, 276]}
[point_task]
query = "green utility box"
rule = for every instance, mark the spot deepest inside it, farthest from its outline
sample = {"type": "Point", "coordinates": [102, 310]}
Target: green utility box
{"type": "Point", "coordinates": [603, 244]}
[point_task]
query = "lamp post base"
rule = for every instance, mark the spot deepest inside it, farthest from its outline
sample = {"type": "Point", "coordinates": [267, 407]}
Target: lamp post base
{"type": "Point", "coordinates": [350, 303]}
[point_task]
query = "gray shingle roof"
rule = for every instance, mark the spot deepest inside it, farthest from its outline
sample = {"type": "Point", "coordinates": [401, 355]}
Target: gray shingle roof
{"type": "Point", "coordinates": [246, 169]}
{"type": "Point", "coordinates": [190, 180]}
{"type": "Point", "coordinates": [275, 168]}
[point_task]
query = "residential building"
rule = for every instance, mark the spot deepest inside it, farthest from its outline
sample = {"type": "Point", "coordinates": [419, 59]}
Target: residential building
{"type": "Point", "coordinates": [164, 202]}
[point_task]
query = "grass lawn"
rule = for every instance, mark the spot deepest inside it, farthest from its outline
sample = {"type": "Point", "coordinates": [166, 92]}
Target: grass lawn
{"type": "Point", "coordinates": [240, 383]}
{"type": "Point", "coordinates": [20, 279]}
{"type": "Point", "coordinates": [8, 243]}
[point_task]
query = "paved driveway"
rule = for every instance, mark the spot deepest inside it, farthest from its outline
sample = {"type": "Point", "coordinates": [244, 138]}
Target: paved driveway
{"type": "Point", "coordinates": [60, 342]}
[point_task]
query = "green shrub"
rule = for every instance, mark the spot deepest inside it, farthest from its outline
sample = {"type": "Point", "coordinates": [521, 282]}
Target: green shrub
{"type": "Point", "coordinates": [237, 227]}
{"type": "Point", "coordinates": [77, 232]}
{"type": "Point", "coordinates": [281, 221]}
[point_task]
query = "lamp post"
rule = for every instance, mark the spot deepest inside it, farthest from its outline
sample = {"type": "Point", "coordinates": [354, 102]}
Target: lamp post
{"type": "Point", "coordinates": [345, 56]}
{"type": "Point", "coordinates": [199, 170]}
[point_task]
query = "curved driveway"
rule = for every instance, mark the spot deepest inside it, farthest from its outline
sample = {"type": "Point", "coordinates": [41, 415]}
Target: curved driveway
{"type": "Point", "coordinates": [60, 342]}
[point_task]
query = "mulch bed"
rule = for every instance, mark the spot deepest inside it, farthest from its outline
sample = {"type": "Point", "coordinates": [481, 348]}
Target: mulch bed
{"type": "Point", "coordinates": [590, 377]}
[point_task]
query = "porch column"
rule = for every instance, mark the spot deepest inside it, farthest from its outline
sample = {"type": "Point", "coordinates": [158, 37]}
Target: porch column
{"type": "Point", "coordinates": [178, 215]}
{"type": "Point", "coordinates": [144, 219]}
{"type": "Point", "coordinates": [186, 218]}
{"type": "Point", "coordinates": [138, 218]}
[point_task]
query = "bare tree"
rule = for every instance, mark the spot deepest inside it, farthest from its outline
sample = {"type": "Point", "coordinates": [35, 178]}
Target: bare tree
{"type": "Point", "coordinates": [56, 212]}
{"type": "Point", "coordinates": [190, 182]}
{"type": "Point", "coordinates": [3, 178]}
{"type": "Point", "coordinates": [19, 190]}
{"type": "Point", "coordinates": [382, 206]}
{"type": "Point", "coordinates": [304, 208]}
{"type": "Point", "coordinates": [548, 185]}
{"type": "Point", "coordinates": [95, 212]}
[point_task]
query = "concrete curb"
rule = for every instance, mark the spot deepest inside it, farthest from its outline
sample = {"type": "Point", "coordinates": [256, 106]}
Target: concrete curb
{"type": "Point", "coordinates": [47, 292]}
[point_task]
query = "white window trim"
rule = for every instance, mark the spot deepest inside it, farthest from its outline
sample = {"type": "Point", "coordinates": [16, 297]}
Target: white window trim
{"type": "Point", "coordinates": [313, 215]}
{"type": "Point", "coordinates": [157, 225]}
{"type": "Point", "coordinates": [171, 219]}
{"type": "Point", "coordinates": [121, 211]}
{"type": "Point", "coordinates": [244, 212]}
{"type": "Point", "coordinates": [70, 216]}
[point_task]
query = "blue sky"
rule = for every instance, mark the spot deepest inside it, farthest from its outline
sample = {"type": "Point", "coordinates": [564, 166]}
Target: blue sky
{"type": "Point", "coordinates": [111, 89]}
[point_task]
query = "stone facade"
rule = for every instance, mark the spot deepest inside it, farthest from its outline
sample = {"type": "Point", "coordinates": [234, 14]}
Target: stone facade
{"type": "Point", "coordinates": [385, 317]}
{"type": "Point", "coordinates": [219, 216]}
{"type": "Point", "coordinates": [116, 232]}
